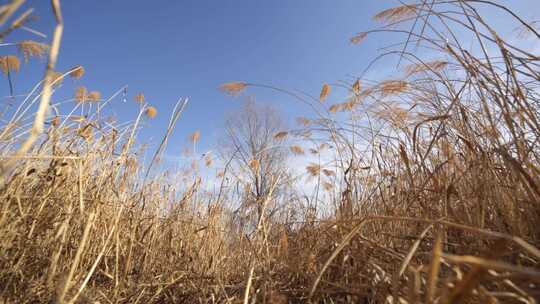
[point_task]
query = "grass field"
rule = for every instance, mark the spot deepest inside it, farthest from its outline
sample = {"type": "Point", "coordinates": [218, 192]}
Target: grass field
{"type": "Point", "coordinates": [425, 188]}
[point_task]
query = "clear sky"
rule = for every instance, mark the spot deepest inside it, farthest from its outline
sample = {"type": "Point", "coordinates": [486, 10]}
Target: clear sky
{"type": "Point", "coordinates": [168, 49]}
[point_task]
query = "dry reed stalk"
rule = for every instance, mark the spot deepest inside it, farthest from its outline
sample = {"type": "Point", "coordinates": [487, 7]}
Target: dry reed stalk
{"type": "Point", "coordinates": [9, 9]}
{"type": "Point", "coordinates": [434, 270]}
{"type": "Point", "coordinates": [46, 92]}
{"type": "Point", "coordinates": [75, 264]}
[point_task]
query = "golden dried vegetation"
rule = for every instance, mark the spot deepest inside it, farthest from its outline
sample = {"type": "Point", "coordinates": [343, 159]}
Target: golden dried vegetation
{"type": "Point", "coordinates": [423, 189]}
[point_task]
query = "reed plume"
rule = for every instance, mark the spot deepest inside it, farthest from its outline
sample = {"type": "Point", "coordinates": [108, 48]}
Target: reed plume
{"type": "Point", "coordinates": [139, 98]}
{"type": "Point", "coordinates": [30, 48]}
{"type": "Point", "coordinates": [9, 63]}
{"type": "Point", "coordinates": [396, 14]}
{"type": "Point", "coordinates": [313, 169]}
{"type": "Point", "coordinates": [296, 150]}
{"type": "Point", "coordinates": [94, 96]}
{"type": "Point", "coordinates": [81, 94]}
{"type": "Point", "coordinates": [359, 38]}
{"type": "Point", "coordinates": [393, 87]}
{"type": "Point", "coordinates": [77, 72]}
{"type": "Point", "coordinates": [195, 136]}
{"type": "Point", "coordinates": [151, 112]}
{"type": "Point", "coordinates": [325, 91]}
{"type": "Point", "coordinates": [281, 135]}
{"type": "Point", "coordinates": [233, 88]}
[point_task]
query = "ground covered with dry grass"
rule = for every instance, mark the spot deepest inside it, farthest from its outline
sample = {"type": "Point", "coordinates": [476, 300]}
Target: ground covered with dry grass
{"type": "Point", "coordinates": [431, 193]}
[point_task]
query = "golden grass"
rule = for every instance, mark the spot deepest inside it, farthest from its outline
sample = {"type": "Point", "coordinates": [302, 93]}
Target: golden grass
{"type": "Point", "coordinates": [427, 191]}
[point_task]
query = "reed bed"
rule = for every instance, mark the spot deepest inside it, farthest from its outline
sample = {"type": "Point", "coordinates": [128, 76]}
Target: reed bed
{"type": "Point", "coordinates": [431, 193]}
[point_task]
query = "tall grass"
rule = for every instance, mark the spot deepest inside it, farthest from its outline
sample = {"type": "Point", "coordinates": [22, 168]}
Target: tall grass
{"type": "Point", "coordinates": [432, 194]}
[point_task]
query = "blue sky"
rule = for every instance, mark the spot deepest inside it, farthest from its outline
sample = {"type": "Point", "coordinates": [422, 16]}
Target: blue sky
{"type": "Point", "coordinates": [169, 49]}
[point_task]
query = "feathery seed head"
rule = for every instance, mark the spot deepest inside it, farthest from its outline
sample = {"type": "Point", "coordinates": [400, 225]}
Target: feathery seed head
{"type": "Point", "coordinates": [356, 87]}
{"type": "Point", "coordinates": [281, 135]}
{"type": "Point", "coordinates": [313, 169]}
{"type": "Point", "coordinates": [94, 96]}
{"type": "Point", "coordinates": [394, 114]}
{"type": "Point", "coordinates": [208, 160]}
{"type": "Point", "coordinates": [233, 88]}
{"type": "Point", "coordinates": [325, 91]}
{"type": "Point", "coordinates": [151, 112]}
{"type": "Point", "coordinates": [30, 48]}
{"type": "Point", "coordinates": [297, 150]}
{"type": "Point", "coordinates": [9, 63]}
{"type": "Point", "coordinates": [358, 38]}
{"type": "Point", "coordinates": [77, 72]}
{"type": "Point", "coordinates": [254, 165]}
{"type": "Point", "coordinates": [335, 108]}
{"type": "Point", "coordinates": [393, 87]}
{"type": "Point", "coordinates": [396, 14]}
{"type": "Point", "coordinates": [349, 105]}
{"type": "Point", "coordinates": [195, 136]}
{"type": "Point", "coordinates": [434, 66]}
{"type": "Point", "coordinates": [328, 186]}
{"type": "Point", "coordinates": [81, 94]}
{"type": "Point", "coordinates": [303, 121]}
{"type": "Point", "coordinates": [328, 172]}
{"type": "Point", "coordinates": [139, 98]}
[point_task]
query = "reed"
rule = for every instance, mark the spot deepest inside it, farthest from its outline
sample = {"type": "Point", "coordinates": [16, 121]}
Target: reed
{"type": "Point", "coordinates": [420, 188]}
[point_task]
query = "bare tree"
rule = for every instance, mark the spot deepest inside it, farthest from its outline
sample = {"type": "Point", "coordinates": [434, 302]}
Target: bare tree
{"type": "Point", "coordinates": [257, 154]}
